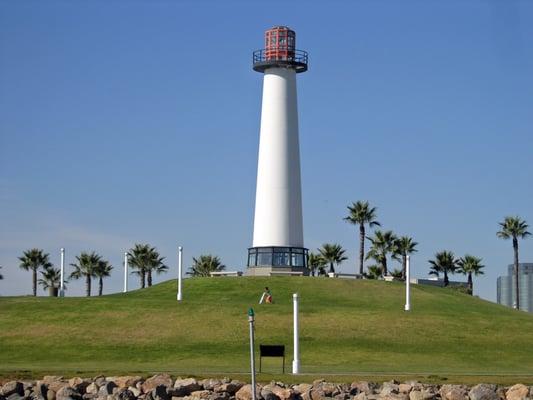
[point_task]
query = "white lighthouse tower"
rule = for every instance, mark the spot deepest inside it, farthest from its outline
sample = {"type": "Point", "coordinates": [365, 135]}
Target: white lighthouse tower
{"type": "Point", "coordinates": [278, 244]}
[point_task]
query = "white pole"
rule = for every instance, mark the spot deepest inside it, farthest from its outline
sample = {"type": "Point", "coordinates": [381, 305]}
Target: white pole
{"type": "Point", "coordinates": [125, 272]}
{"type": "Point", "coordinates": [62, 284]}
{"type": "Point", "coordinates": [296, 360]}
{"type": "Point", "coordinates": [407, 284]}
{"type": "Point", "coordinates": [252, 356]}
{"type": "Point", "coordinates": [180, 264]}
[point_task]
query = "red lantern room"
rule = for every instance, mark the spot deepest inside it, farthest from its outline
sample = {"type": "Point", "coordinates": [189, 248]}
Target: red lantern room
{"type": "Point", "coordinates": [280, 51]}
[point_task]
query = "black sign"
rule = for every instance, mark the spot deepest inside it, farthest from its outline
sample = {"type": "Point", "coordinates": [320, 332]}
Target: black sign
{"type": "Point", "coordinates": [268, 350]}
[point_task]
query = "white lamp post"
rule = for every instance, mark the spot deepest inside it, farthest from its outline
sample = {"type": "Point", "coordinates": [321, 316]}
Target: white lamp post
{"type": "Point", "coordinates": [252, 356]}
{"type": "Point", "coordinates": [125, 272]}
{"type": "Point", "coordinates": [407, 284]}
{"type": "Point", "coordinates": [62, 284]}
{"type": "Point", "coordinates": [296, 346]}
{"type": "Point", "coordinates": [180, 264]}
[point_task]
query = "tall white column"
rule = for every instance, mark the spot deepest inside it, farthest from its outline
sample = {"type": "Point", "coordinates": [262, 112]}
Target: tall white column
{"type": "Point", "coordinates": [296, 345]}
{"type": "Point", "coordinates": [278, 201]}
{"type": "Point", "coordinates": [62, 274]}
{"type": "Point", "coordinates": [125, 272]}
{"type": "Point", "coordinates": [408, 284]}
{"type": "Point", "coordinates": [180, 262]}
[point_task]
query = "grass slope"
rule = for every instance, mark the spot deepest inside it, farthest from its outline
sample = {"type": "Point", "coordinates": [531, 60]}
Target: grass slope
{"type": "Point", "coordinates": [347, 326]}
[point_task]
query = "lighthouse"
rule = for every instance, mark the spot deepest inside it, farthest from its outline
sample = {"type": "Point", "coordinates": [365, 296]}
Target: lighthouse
{"type": "Point", "coordinates": [278, 244]}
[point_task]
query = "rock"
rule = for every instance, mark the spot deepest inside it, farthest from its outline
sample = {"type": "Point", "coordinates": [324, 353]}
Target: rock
{"type": "Point", "coordinates": [362, 387]}
{"type": "Point", "coordinates": [15, 396]}
{"type": "Point", "coordinates": [160, 393]}
{"type": "Point", "coordinates": [483, 392]}
{"type": "Point", "coordinates": [100, 380]}
{"type": "Point", "coordinates": [201, 394]}
{"type": "Point", "coordinates": [184, 387]}
{"type": "Point", "coordinates": [210, 384]}
{"type": "Point", "coordinates": [89, 396]}
{"type": "Point", "coordinates": [453, 392]}
{"type": "Point", "coordinates": [125, 394]}
{"type": "Point", "coordinates": [517, 392]}
{"type": "Point", "coordinates": [423, 394]}
{"type": "Point", "coordinates": [92, 388]}
{"type": "Point", "coordinates": [126, 381]}
{"type": "Point", "coordinates": [12, 387]}
{"type": "Point", "coordinates": [404, 387]}
{"type": "Point", "coordinates": [267, 394]}
{"type": "Point", "coordinates": [107, 389]}
{"type": "Point", "coordinates": [389, 388]}
{"type": "Point", "coordinates": [136, 392]}
{"type": "Point", "coordinates": [50, 394]}
{"type": "Point", "coordinates": [68, 393]}
{"type": "Point", "coordinates": [283, 393]}
{"type": "Point", "coordinates": [79, 384]}
{"type": "Point", "coordinates": [302, 388]}
{"type": "Point", "coordinates": [230, 387]}
{"type": "Point", "coordinates": [360, 396]}
{"type": "Point", "coordinates": [155, 381]}
{"type": "Point", "coordinates": [245, 393]}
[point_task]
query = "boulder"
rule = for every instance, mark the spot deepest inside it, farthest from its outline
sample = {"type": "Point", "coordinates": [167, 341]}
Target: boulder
{"type": "Point", "coordinates": [453, 392]}
{"type": "Point", "coordinates": [127, 381]}
{"type": "Point", "coordinates": [99, 380]}
{"type": "Point", "coordinates": [160, 393]}
{"type": "Point", "coordinates": [125, 394]}
{"type": "Point", "coordinates": [283, 393]}
{"type": "Point", "coordinates": [184, 387]}
{"type": "Point", "coordinates": [210, 384]}
{"type": "Point", "coordinates": [302, 388]}
{"type": "Point", "coordinates": [389, 388]}
{"type": "Point", "coordinates": [68, 393]}
{"type": "Point", "coordinates": [230, 387]}
{"type": "Point", "coordinates": [79, 384]}
{"type": "Point", "coordinates": [107, 389]}
{"type": "Point", "coordinates": [267, 394]}
{"type": "Point", "coordinates": [12, 387]}
{"type": "Point", "coordinates": [245, 393]}
{"type": "Point", "coordinates": [405, 388]}
{"type": "Point", "coordinates": [15, 396]}
{"type": "Point", "coordinates": [136, 392]}
{"type": "Point", "coordinates": [517, 392]}
{"type": "Point", "coordinates": [92, 388]}
{"type": "Point", "coordinates": [360, 396]}
{"type": "Point", "coordinates": [201, 394]}
{"type": "Point", "coordinates": [362, 387]}
{"type": "Point", "coordinates": [50, 394]}
{"type": "Point", "coordinates": [89, 396]}
{"type": "Point", "coordinates": [53, 382]}
{"type": "Point", "coordinates": [155, 381]}
{"type": "Point", "coordinates": [423, 394]}
{"type": "Point", "coordinates": [483, 392]}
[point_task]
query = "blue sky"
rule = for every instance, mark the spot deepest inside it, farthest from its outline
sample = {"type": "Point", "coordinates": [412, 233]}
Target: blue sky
{"type": "Point", "coordinates": [125, 122]}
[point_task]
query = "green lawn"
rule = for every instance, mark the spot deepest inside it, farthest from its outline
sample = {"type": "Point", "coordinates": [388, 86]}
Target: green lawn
{"type": "Point", "coordinates": [346, 326]}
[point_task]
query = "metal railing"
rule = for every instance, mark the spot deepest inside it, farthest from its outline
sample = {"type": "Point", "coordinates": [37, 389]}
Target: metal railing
{"type": "Point", "coordinates": [267, 55]}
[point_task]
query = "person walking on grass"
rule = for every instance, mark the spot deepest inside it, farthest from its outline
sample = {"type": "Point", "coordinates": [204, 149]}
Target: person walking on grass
{"type": "Point", "coordinates": [266, 296]}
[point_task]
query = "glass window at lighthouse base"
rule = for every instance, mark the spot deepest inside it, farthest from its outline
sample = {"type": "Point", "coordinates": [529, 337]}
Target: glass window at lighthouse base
{"type": "Point", "coordinates": [277, 257]}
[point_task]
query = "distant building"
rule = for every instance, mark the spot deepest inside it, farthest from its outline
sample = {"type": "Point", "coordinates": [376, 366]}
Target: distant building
{"type": "Point", "coordinates": [505, 287]}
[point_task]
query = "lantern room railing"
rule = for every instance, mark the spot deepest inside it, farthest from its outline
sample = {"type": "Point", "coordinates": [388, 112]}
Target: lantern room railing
{"type": "Point", "coordinates": [280, 57]}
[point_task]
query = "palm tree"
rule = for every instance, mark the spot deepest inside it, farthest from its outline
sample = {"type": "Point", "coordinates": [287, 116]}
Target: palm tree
{"type": "Point", "coordinates": [102, 270]}
{"type": "Point", "coordinates": [332, 254]}
{"type": "Point", "coordinates": [403, 247]}
{"type": "Point", "coordinates": [33, 260]}
{"type": "Point", "coordinates": [85, 267]}
{"type": "Point", "coordinates": [316, 264]}
{"type": "Point", "coordinates": [205, 264]}
{"type": "Point", "coordinates": [374, 272]}
{"type": "Point", "coordinates": [469, 265]}
{"type": "Point", "coordinates": [445, 263]}
{"type": "Point", "coordinates": [139, 259]}
{"type": "Point", "coordinates": [360, 213]}
{"type": "Point", "coordinates": [155, 264]}
{"type": "Point", "coordinates": [383, 243]}
{"type": "Point", "coordinates": [1, 276]}
{"type": "Point", "coordinates": [51, 280]}
{"type": "Point", "coordinates": [515, 228]}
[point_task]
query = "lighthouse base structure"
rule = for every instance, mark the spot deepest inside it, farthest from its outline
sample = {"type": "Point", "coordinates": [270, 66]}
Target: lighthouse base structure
{"type": "Point", "coordinates": [266, 261]}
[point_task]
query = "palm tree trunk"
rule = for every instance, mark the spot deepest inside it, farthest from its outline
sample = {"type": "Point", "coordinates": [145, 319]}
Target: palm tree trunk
{"type": "Point", "coordinates": [143, 278]}
{"type": "Point", "coordinates": [149, 277]}
{"type": "Point", "coordinates": [35, 281]}
{"type": "Point", "coordinates": [331, 269]}
{"type": "Point", "coordinates": [517, 297]}
{"type": "Point", "coordinates": [385, 270]}
{"type": "Point", "coordinates": [470, 283]}
{"type": "Point", "coordinates": [404, 266]}
{"type": "Point", "coordinates": [446, 280]}
{"type": "Point", "coordinates": [361, 248]}
{"type": "Point", "coordinates": [88, 285]}
{"type": "Point", "coordinates": [100, 285]}
{"type": "Point", "coordinates": [51, 291]}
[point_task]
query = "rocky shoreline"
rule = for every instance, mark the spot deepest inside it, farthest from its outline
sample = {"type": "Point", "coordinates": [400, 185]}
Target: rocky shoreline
{"type": "Point", "coordinates": [164, 387]}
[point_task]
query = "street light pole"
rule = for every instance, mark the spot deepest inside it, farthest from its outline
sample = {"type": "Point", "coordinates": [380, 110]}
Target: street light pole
{"type": "Point", "coordinates": [407, 284]}
{"type": "Point", "coordinates": [252, 356]}
{"type": "Point", "coordinates": [62, 284]}
{"type": "Point", "coordinates": [180, 264]}
{"type": "Point", "coordinates": [125, 272]}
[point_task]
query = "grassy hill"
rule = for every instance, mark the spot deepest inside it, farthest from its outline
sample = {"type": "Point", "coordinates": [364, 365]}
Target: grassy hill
{"type": "Point", "coordinates": [347, 326]}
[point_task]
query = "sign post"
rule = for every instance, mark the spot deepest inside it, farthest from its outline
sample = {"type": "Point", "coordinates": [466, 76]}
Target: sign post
{"type": "Point", "coordinates": [252, 356]}
{"type": "Point", "coordinates": [180, 264]}
{"type": "Point", "coordinates": [407, 284]}
{"type": "Point", "coordinates": [296, 359]}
